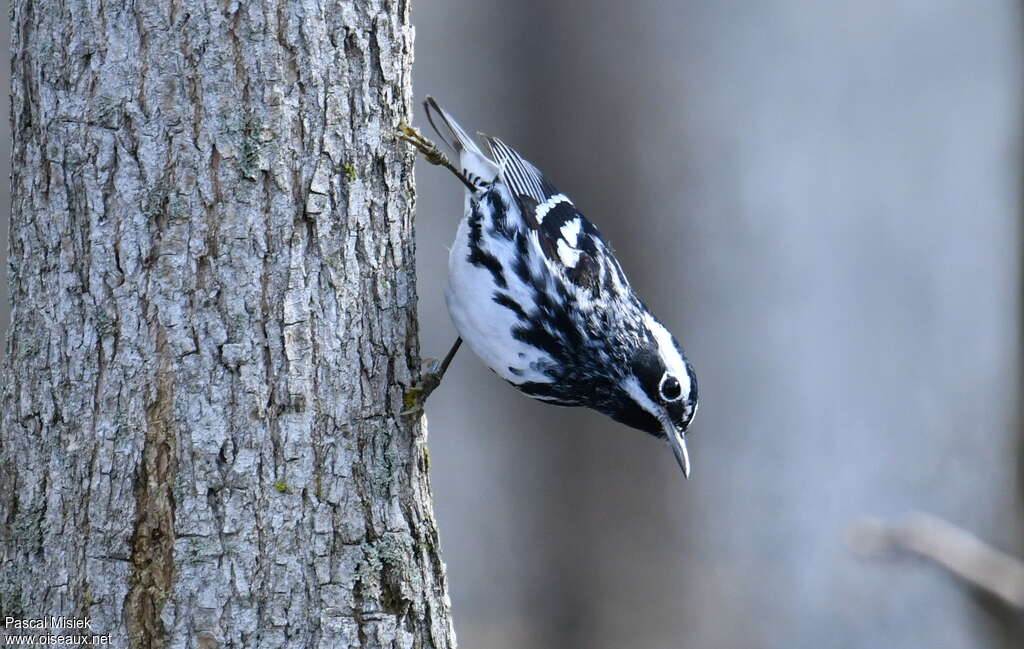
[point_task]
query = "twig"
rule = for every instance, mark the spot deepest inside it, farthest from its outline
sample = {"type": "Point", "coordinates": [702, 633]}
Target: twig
{"type": "Point", "coordinates": [953, 548]}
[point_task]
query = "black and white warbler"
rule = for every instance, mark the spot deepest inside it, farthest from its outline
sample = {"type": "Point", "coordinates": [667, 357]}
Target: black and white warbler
{"type": "Point", "coordinates": [538, 295]}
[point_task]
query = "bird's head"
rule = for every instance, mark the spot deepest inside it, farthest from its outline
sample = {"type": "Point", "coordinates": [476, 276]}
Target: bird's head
{"type": "Point", "coordinates": [660, 390]}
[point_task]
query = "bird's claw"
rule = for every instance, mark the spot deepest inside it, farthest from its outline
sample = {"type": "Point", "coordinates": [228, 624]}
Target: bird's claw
{"type": "Point", "coordinates": [430, 151]}
{"type": "Point", "coordinates": [416, 396]}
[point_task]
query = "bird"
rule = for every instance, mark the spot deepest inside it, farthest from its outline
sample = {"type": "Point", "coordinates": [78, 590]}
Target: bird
{"type": "Point", "coordinates": [537, 294]}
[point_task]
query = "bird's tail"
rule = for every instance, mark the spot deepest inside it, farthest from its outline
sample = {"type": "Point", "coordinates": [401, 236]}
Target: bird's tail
{"type": "Point", "coordinates": [476, 167]}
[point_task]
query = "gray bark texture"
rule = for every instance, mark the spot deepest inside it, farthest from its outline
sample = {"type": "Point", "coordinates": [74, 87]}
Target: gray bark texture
{"type": "Point", "coordinates": [213, 328]}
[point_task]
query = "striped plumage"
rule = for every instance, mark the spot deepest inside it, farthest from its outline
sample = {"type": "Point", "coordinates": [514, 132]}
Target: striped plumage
{"type": "Point", "coordinates": [537, 294]}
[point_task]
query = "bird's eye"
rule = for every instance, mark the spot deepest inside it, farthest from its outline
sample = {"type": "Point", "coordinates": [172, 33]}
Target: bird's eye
{"type": "Point", "coordinates": [670, 389]}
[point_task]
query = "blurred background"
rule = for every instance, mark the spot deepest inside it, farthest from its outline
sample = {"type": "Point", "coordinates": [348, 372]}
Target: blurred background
{"type": "Point", "coordinates": [823, 202]}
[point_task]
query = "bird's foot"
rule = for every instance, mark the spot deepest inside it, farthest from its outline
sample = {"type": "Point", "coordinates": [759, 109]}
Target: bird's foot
{"type": "Point", "coordinates": [430, 151]}
{"type": "Point", "coordinates": [416, 396]}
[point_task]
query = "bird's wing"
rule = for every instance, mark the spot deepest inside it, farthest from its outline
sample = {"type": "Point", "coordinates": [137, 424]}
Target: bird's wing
{"type": "Point", "coordinates": [571, 244]}
{"type": "Point", "coordinates": [521, 177]}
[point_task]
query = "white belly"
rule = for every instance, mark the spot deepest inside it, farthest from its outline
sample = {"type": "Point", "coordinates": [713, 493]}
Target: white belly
{"type": "Point", "coordinates": [486, 326]}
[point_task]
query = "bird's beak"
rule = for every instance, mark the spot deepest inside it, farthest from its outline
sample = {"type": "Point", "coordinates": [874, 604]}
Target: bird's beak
{"type": "Point", "coordinates": [677, 441]}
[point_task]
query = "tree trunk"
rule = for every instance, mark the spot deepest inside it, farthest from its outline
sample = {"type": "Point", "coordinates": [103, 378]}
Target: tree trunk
{"type": "Point", "coordinates": [213, 324]}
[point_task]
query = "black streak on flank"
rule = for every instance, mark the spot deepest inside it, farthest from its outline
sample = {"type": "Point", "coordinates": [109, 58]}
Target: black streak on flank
{"type": "Point", "coordinates": [521, 266]}
{"type": "Point", "coordinates": [504, 300]}
{"type": "Point", "coordinates": [500, 223]}
{"type": "Point", "coordinates": [549, 393]}
{"type": "Point", "coordinates": [538, 337]}
{"type": "Point", "coordinates": [486, 260]}
{"type": "Point", "coordinates": [477, 255]}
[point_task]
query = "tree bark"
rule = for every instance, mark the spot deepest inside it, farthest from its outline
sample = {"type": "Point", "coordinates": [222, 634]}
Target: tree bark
{"type": "Point", "coordinates": [213, 326]}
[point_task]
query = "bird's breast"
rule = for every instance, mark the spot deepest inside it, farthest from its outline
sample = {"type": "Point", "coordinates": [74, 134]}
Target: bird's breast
{"type": "Point", "coordinates": [489, 304]}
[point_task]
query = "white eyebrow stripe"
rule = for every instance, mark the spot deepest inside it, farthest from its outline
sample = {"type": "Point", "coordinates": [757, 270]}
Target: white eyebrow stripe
{"type": "Point", "coordinates": [669, 355]}
{"type": "Point", "coordinates": [548, 205]}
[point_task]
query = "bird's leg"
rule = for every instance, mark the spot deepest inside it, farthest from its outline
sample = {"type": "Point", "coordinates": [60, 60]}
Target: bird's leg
{"type": "Point", "coordinates": [436, 370]}
{"type": "Point", "coordinates": [430, 151]}
{"type": "Point", "coordinates": [431, 377]}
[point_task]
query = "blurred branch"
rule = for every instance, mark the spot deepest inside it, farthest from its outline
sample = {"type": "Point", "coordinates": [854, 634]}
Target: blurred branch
{"type": "Point", "coordinates": [953, 548]}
